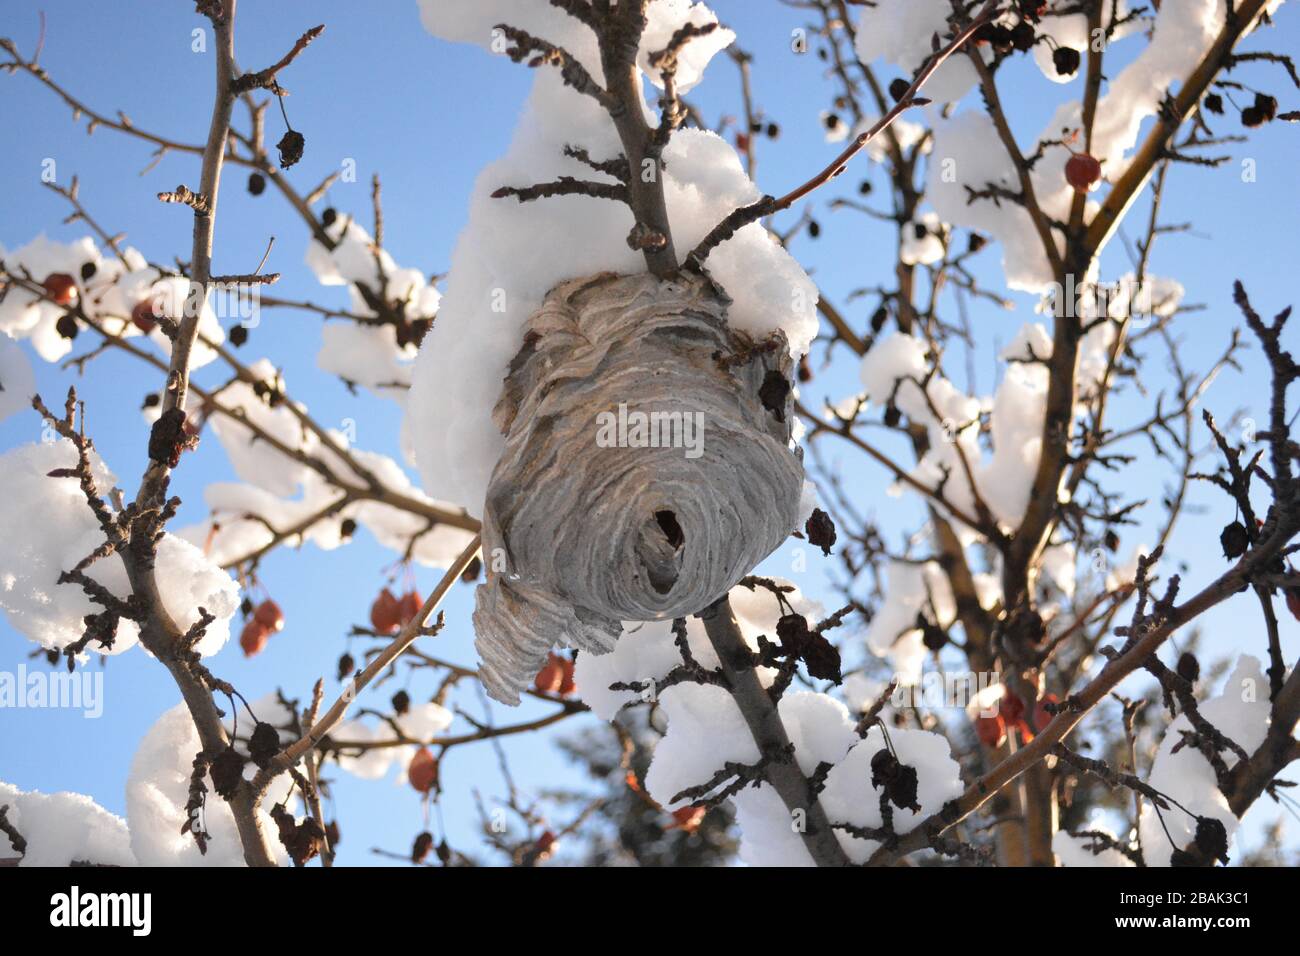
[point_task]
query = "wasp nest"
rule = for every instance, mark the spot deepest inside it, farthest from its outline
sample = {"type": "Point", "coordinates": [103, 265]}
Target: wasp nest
{"type": "Point", "coordinates": [647, 468]}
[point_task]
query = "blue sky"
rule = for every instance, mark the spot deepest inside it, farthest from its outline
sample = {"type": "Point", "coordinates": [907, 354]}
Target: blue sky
{"type": "Point", "coordinates": [427, 116]}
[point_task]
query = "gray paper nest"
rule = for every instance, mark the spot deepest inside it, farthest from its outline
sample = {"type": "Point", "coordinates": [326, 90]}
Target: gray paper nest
{"type": "Point", "coordinates": [593, 536]}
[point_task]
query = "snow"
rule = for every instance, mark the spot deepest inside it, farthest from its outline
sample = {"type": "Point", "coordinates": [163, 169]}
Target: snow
{"type": "Point", "coordinates": [850, 798]}
{"type": "Point", "coordinates": [108, 296]}
{"type": "Point", "coordinates": [1240, 712]}
{"type": "Point", "coordinates": [968, 154]}
{"type": "Point", "coordinates": [157, 790]}
{"type": "Point", "coordinates": [911, 589]}
{"type": "Point", "coordinates": [242, 516]}
{"type": "Point", "coordinates": [923, 243]}
{"type": "Point", "coordinates": [900, 31]}
{"type": "Point", "coordinates": [497, 279]}
{"type": "Point", "coordinates": [49, 528]}
{"type": "Point", "coordinates": [895, 366]}
{"type": "Point", "coordinates": [822, 732]}
{"type": "Point", "coordinates": [1073, 850]}
{"type": "Point", "coordinates": [706, 730]}
{"type": "Point", "coordinates": [170, 297]}
{"type": "Point", "coordinates": [254, 459]}
{"type": "Point", "coordinates": [366, 355]}
{"type": "Point", "coordinates": [646, 651]}
{"type": "Point", "coordinates": [24, 315]}
{"type": "Point", "coordinates": [17, 381]}
{"type": "Point", "coordinates": [64, 828]}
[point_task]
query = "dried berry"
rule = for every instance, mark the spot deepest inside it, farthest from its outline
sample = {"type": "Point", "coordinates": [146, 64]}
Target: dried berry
{"type": "Point", "coordinates": [346, 666]}
{"type": "Point", "coordinates": [303, 841]}
{"type": "Point", "coordinates": [227, 772]}
{"type": "Point", "coordinates": [269, 615]}
{"type": "Point", "coordinates": [832, 121]}
{"type": "Point", "coordinates": [992, 731]}
{"type": "Point", "coordinates": [1214, 103]}
{"type": "Point", "coordinates": [883, 767]}
{"type": "Point", "coordinates": [1212, 839]}
{"type": "Point", "coordinates": [903, 788]}
{"type": "Point", "coordinates": [688, 819]}
{"type": "Point", "coordinates": [67, 326]}
{"type": "Point", "coordinates": [256, 184]}
{"type": "Point", "coordinates": [793, 633]}
{"type": "Point", "coordinates": [144, 317]}
{"type": "Point", "coordinates": [291, 147]}
{"type": "Point", "coordinates": [1022, 36]}
{"type": "Point", "coordinates": [820, 530]}
{"type": "Point", "coordinates": [1082, 172]}
{"type": "Point", "coordinates": [264, 744]}
{"type": "Point", "coordinates": [893, 417]}
{"type": "Point", "coordinates": [551, 676]}
{"type": "Point", "coordinates": [401, 702]}
{"type": "Point", "coordinates": [1000, 38]}
{"type": "Point", "coordinates": [898, 780]}
{"type": "Point", "coordinates": [168, 438]}
{"type": "Point", "coordinates": [421, 847]}
{"type": "Point", "coordinates": [814, 229]}
{"type": "Point", "coordinates": [347, 528]}
{"type": "Point", "coordinates": [1234, 539]}
{"type": "Point", "coordinates": [976, 242]}
{"type": "Point", "coordinates": [472, 571]}
{"type": "Point", "coordinates": [1011, 708]}
{"type": "Point", "coordinates": [822, 658]}
{"type": "Point", "coordinates": [386, 613]}
{"type": "Point", "coordinates": [1066, 60]}
{"type": "Point", "coordinates": [898, 88]}
{"type": "Point", "coordinates": [329, 216]}
{"type": "Point", "coordinates": [422, 772]}
{"type": "Point", "coordinates": [238, 335]}
{"type": "Point", "coordinates": [933, 636]}
{"type": "Point", "coordinates": [544, 846]}
{"type": "Point", "coordinates": [1189, 668]}
{"type": "Point", "coordinates": [408, 607]}
{"type": "Point", "coordinates": [1293, 602]}
{"type": "Point", "coordinates": [1267, 106]}
{"type": "Point", "coordinates": [88, 270]}
{"type": "Point", "coordinates": [253, 637]}
{"type": "Point", "coordinates": [60, 288]}
{"type": "Point", "coordinates": [567, 684]}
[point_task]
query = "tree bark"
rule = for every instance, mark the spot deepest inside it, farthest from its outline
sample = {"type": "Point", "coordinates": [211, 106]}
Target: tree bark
{"type": "Point", "coordinates": [769, 734]}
